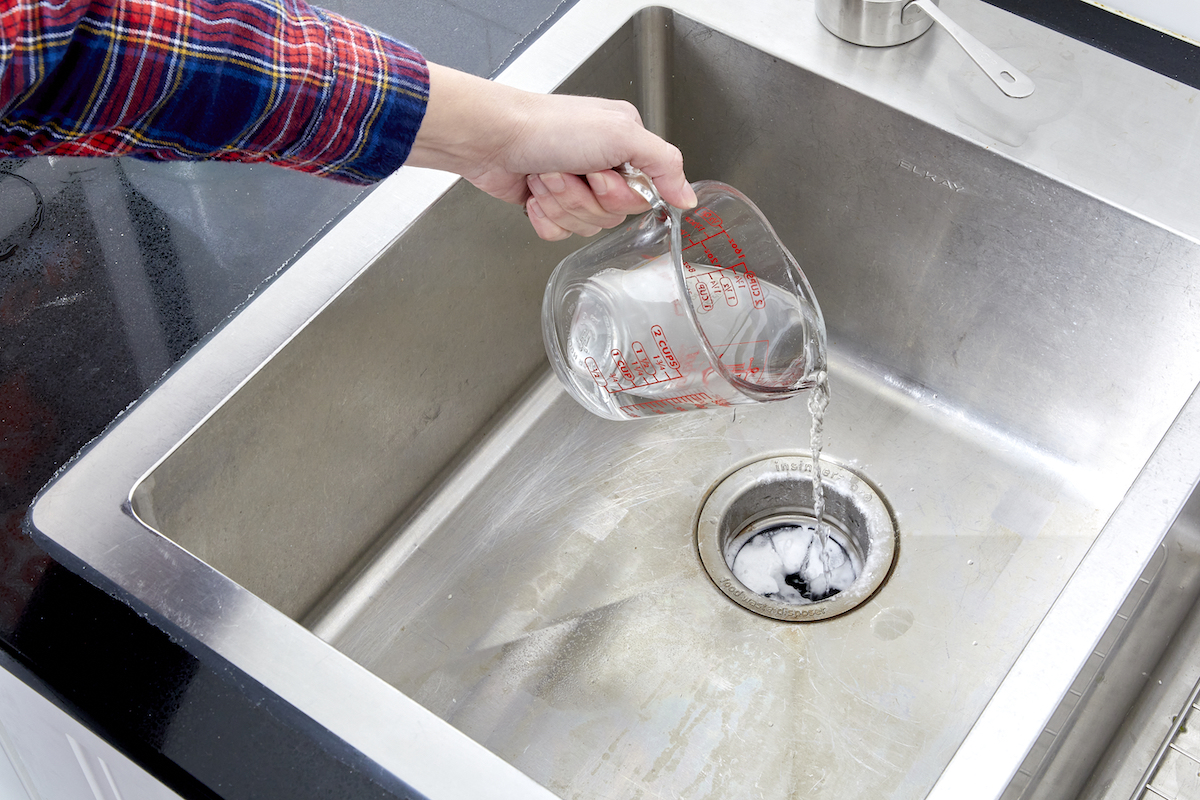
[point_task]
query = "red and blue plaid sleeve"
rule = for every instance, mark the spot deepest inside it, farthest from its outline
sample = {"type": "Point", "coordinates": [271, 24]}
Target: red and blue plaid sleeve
{"type": "Point", "coordinates": [238, 80]}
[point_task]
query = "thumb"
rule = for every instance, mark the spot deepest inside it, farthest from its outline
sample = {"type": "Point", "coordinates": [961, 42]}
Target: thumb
{"type": "Point", "coordinates": [664, 166]}
{"type": "Point", "coordinates": [675, 189]}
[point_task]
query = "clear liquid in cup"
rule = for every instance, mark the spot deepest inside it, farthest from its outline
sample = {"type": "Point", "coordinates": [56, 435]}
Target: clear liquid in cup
{"type": "Point", "coordinates": [631, 338]}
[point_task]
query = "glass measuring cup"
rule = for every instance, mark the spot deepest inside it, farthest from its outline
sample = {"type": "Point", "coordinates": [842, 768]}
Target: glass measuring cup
{"type": "Point", "coordinates": [679, 311]}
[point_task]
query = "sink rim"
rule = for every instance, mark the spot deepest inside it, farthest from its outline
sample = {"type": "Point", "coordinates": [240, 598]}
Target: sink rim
{"type": "Point", "coordinates": [154, 574]}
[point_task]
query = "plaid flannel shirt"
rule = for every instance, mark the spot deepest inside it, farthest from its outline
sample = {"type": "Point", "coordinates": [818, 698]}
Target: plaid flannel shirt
{"type": "Point", "coordinates": [239, 80]}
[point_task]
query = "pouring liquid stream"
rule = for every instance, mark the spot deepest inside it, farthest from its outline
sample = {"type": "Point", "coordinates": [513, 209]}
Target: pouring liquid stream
{"type": "Point", "coordinates": [802, 563]}
{"type": "Point", "coordinates": [818, 401]}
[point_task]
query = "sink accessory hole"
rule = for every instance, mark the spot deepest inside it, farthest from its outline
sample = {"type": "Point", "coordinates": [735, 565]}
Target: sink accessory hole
{"type": "Point", "coordinates": [756, 535]}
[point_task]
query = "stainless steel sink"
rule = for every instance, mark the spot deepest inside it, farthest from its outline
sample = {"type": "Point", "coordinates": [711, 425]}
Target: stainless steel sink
{"type": "Point", "coordinates": [367, 492]}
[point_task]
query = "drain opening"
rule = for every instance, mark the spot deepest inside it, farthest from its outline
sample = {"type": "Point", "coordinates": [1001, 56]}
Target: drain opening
{"type": "Point", "coordinates": [780, 558]}
{"type": "Point", "coordinates": [756, 535]}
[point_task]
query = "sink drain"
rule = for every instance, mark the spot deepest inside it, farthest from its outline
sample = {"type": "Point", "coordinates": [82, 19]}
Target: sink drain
{"type": "Point", "coordinates": [756, 530]}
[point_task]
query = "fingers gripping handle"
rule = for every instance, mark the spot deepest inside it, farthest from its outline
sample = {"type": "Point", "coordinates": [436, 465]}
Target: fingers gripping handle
{"type": "Point", "coordinates": [640, 182]}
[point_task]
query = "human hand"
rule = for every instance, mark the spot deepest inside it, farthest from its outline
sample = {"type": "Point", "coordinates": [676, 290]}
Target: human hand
{"type": "Point", "coordinates": [552, 153]}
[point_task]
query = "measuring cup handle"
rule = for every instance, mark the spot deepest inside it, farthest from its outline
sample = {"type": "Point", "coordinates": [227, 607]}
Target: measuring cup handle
{"type": "Point", "coordinates": [640, 182]}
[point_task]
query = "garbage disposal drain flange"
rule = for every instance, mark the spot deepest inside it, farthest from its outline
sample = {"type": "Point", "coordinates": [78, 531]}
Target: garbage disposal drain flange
{"type": "Point", "coordinates": [767, 504]}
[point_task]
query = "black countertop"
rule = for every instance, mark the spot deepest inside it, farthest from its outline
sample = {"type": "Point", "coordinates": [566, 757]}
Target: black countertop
{"type": "Point", "coordinates": [110, 272]}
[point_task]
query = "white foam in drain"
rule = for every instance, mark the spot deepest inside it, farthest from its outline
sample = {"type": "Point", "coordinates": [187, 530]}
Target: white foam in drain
{"type": "Point", "coordinates": [784, 564]}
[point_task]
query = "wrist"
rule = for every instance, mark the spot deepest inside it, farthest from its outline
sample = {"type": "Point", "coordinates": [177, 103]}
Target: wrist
{"type": "Point", "coordinates": [467, 122]}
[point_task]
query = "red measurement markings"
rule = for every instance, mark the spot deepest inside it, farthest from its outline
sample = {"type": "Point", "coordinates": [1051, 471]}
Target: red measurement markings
{"type": "Point", "coordinates": [733, 244]}
{"type": "Point", "coordinates": [641, 361]}
{"type": "Point", "coordinates": [746, 371]}
{"type": "Point", "coordinates": [702, 240]}
{"type": "Point", "coordinates": [756, 292]}
{"type": "Point", "coordinates": [597, 375]}
{"type": "Point", "coordinates": [729, 290]}
{"type": "Point", "coordinates": [660, 339]}
{"type": "Point", "coordinates": [623, 368]}
{"type": "Point", "coordinates": [748, 281]}
{"type": "Point", "coordinates": [696, 227]}
{"type": "Point", "coordinates": [704, 296]}
{"type": "Point", "coordinates": [703, 246]}
{"type": "Point", "coordinates": [706, 287]}
{"type": "Point", "coordinates": [643, 369]}
{"type": "Point", "coordinates": [711, 256]}
{"type": "Point", "coordinates": [666, 405]}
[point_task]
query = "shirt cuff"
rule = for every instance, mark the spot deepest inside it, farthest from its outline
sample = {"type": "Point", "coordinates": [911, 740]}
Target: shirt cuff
{"type": "Point", "coordinates": [377, 90]}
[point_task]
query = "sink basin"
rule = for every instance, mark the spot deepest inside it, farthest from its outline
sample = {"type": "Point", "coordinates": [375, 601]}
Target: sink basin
{"type": "Point", "coordinates": [368, 493]}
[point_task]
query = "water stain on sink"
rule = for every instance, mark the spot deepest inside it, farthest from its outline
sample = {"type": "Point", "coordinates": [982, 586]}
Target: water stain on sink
{"type": "Point", "coordinates": [891, 623]}
{"type": "Point", "coordinates": [1012, 121]}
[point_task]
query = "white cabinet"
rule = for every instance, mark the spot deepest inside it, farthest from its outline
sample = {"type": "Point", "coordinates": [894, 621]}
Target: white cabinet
{"type": "Point", "coordinates": [47, 755]}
